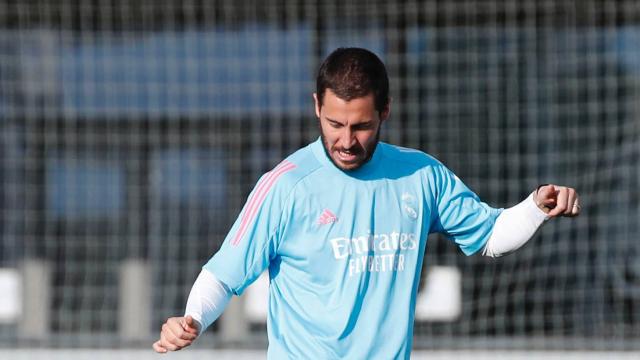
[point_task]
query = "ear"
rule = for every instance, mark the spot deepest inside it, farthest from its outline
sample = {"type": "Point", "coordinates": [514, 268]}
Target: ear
{"type": "Point", "coordinates": [384, 114]}
{"type": "Point", "coordinates": [317, 103]}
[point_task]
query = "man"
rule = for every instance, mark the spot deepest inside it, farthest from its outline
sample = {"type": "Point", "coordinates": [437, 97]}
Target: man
{"type": "Point", "coordinates": [342, 226]}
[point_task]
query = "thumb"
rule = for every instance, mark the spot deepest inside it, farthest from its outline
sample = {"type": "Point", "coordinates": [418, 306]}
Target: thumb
{"type": "Point", "coordinates": [546, 196]}
{"type": "Point", "coordinates": [190, 323]}
{"type": "Point", "coordinates": [157, 346]}
{"type": "Point", "coordinates": [546, 192]}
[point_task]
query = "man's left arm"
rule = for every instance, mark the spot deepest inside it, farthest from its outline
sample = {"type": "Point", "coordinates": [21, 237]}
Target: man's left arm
{"type": "Point", "coordinates": [517, 224]}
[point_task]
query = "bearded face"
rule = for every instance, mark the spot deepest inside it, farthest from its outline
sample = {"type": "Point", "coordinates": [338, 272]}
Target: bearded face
{"type": "Point", "coordinates": [350, 130]}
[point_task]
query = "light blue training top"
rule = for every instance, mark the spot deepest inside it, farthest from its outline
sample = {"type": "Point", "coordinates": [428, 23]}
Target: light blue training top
{"type": "Point", "coordinates": [344, 249]}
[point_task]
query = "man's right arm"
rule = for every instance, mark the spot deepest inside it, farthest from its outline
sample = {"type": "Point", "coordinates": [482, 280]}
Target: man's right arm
{"type": "Point", "coordinates": [245, 253]}
{"type": "Point", "coordinates": [207, 300]}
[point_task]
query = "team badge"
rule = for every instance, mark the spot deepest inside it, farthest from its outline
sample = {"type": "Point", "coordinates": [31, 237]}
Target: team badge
{"type": "Point", "coordinates": [409, 206]}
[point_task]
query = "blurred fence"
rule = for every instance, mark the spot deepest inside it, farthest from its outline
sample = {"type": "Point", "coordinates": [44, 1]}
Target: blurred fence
{"type": "Point", "coordinates": [132, 131]}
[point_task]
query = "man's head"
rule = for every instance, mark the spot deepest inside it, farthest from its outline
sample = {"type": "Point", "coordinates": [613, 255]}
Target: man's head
{"type": "Point", "coordinates": [352, 100]}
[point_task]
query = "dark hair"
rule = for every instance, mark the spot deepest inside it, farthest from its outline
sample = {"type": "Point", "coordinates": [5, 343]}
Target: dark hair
{"type": "Point", "coordinates": [352, 73]}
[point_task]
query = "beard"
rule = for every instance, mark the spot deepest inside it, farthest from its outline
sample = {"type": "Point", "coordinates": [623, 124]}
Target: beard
{"type": "Point", "coordinates": [357, 150]}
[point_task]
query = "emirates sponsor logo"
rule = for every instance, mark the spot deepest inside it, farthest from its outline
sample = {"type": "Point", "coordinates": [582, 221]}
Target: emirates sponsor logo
{"type": "Point", "coordinates": [375, 252]}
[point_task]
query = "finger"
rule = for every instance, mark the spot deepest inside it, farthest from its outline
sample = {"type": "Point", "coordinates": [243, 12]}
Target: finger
{"type": "Point", "coordinates": [191, 325]}
{"type": "Point", "coordinates": [571, 202]}
{"type": "Point", "coordinates": [546, 197]}
{"type": "Point", "coordinates": [176, 328]}
{"type": "Point", "coordinates": [159, 348]}
{"type": "Point", "coordinates": [575, 209]}
{"type": "Point", "coordinates": [165, 343]}
{"type": "Point", "coordinates": [546, 192]}
{"type": "Point", "coordinates": [561, 202]}
{"type": "Point", "coordinates": [550, 203]}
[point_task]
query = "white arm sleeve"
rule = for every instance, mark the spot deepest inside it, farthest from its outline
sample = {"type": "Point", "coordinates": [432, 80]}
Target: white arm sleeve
{"type": "Point", "coordinates": [207, 299]}
{"type": "Point", "coordinates": [514, 227]}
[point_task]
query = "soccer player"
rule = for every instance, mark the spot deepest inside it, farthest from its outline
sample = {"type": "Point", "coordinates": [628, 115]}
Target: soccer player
{"type": "Point", "coordinates": [342, 226]}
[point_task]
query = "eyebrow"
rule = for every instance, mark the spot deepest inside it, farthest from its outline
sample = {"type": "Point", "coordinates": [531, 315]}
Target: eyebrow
{"type": "Point", "coordinates": [339, 122]}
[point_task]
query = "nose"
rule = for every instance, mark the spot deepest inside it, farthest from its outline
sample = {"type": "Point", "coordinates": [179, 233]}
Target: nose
{"type": "Point", "coordinates": [348, 138]}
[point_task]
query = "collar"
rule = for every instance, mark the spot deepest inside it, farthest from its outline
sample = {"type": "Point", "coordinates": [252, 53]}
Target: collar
{"type": "Point", "coordinates": [367, 169]}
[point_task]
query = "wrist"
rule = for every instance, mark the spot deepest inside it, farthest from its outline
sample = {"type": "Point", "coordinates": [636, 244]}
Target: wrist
{"type": "Point", "coordinates": [541, 210]}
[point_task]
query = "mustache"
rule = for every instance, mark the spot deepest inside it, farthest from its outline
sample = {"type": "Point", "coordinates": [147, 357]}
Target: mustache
{"type": "Point", "coordinates": [352, 150]}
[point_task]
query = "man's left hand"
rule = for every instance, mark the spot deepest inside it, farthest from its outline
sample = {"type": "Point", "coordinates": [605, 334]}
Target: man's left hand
{"type": "Point", "coordinates": [558, 200]}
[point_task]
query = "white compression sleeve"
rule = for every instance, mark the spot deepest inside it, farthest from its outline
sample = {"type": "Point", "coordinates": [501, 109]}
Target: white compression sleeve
{"type": "Point", "coordinates": [208, 299]}
{"type": "Point", "coordinates": [514, 227]}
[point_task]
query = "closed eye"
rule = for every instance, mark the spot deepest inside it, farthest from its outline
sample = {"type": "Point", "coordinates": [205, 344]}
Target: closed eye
{"type": "Point", "coordinates": [357, 127]}
{"type": "Point", "coordinates": [364, 126]}
{"type": "Point", "coordinates": [334, 124]}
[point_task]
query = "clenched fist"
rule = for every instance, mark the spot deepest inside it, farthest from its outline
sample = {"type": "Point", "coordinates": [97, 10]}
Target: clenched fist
{"type": "Point", "coordinates": [558, 200]}
{"type": "Point", "coordinates": [177, 333]}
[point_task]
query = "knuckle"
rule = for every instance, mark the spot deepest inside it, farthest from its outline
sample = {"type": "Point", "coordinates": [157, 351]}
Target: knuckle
{"type": "Point", "coordinates": [167, 336]}
{"type": "Point", "coordinates": [171, 337]}
{"type": "Point", "coordinates": [184, 343]}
